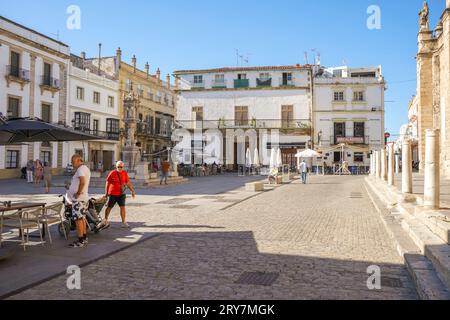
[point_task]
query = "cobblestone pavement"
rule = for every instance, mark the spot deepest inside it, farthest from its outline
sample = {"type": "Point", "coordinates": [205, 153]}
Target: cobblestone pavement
{"type": "Point", "coordinates": [316, 240]}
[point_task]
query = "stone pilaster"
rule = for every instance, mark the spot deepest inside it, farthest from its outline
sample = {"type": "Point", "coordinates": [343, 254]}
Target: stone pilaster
{"type": "Point", "coordinates": [424, 89]}
{"type": "Point", "coordinates": [62, 112]}
{"type": "Point", "coordinates": [33, 84]}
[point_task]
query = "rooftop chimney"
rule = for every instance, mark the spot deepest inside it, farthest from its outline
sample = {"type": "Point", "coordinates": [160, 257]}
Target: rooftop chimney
{"type": "Point", "coordinates": [133, 62]}
{"type": "Point", "coordinates": [147, 69]}
{"type": "Point", "coordinates": [83, 55]}
{"type": "Point", "coordinates": [168, 81]}
{"type": "Point", "coordinates": [118, 61]}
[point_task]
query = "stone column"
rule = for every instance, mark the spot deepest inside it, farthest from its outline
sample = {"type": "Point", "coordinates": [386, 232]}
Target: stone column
{"type": "Point", "coordinates": [431, 199]}
{"type": "Point", "coordinates": [391, 164]}
{"type": "Point", "coordinates": [377, 165]}
{"type": "Point", "coordinates": [406, 167]}
{"type": "Point", "coordinates": [397, 164]}
{"type": "Point", "coordinates": [372, 164]}
{"type": "Point", "coordinates": [383, 157]}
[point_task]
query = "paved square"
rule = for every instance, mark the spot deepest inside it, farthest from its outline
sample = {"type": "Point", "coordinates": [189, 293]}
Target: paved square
{"type": "Point", "coordinates": [319, 239]}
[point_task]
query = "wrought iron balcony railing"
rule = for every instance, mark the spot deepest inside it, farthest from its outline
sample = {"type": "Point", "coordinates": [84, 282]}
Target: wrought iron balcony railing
{"type": "Point", "coordinates": [291, 124]}
{"type": "Point", "coordinates": [18, 73]}
{"type": "Point", "coordinates": [114, 136]}
{"type": "Point", "coordinates": [50, 82]}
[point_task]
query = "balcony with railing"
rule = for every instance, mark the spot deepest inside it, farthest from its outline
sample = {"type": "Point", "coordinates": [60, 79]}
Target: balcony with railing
{"type": "Point", "coordinates": [144, 128]}
{"type": "Point", "coordinates": [18, 75]}
{"type": "Point", "coordinates": [50, 84]}
{"type": "Point", "coordinates": [297, 125]}
{"type": "Point", "coordinates": [219, 84]}
{"type": "Point", "coordinates": [198, 84]}
{"type": "Point", "coordinates": [263, 82]}
{"type": "Point", "coordinates": [241, 83]}
{"type": "Point", "coordinates": [103, 135]}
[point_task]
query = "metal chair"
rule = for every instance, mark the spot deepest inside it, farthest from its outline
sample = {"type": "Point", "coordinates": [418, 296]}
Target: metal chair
{"type": "Point", "coordinates": [52, 215]}
{"type": "Point", "coordinates": [23, 220]}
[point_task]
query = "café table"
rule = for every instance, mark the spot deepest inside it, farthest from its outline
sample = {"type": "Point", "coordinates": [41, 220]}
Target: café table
{"type": "Point", "coordinates": [20, 206]}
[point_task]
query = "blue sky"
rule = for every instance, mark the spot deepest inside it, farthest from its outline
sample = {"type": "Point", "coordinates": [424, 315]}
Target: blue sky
{"type": "Point", "coordinates": [200, 34]}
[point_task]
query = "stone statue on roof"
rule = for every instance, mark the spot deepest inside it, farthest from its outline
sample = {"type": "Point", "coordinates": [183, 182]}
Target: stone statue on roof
{"type": "Point", "coordinates": [424, 17]}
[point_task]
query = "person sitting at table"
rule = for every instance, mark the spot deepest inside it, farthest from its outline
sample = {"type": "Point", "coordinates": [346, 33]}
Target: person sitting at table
{"type": "Point", "coordinates": [273, 175]}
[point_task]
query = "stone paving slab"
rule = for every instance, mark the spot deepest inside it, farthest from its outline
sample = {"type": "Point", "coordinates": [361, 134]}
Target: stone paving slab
{"type": "Point", "coordinates": [318, 239]}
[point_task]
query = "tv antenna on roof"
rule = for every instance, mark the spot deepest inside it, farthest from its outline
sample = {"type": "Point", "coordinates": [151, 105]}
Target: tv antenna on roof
{"type": "Point", "coordinates": [242, 58]}
{"type": "Point", "coordinates": [56, 34]}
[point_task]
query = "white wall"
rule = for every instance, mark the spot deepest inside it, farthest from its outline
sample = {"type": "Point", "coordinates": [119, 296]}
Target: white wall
{"type": "Point", "coordinates": [262, 104]}
{"type": "Point", "coordinates": [15, 89]}
{"type": "Point", "coordinates": [326, 111]}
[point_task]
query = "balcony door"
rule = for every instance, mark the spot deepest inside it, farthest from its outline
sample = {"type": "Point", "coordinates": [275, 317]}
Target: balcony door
{"type": "Point", "coordinates": [197, 116]}
{"type": "Point", "coordinates": [339, 131]}
{"type": "Point", "coordinates": [287, 78]}
{"type": "Point", "coordinates": [287, 116]}
{"type": "Point", "coordinates": [241, 116]}
{"type": "Point", "coordinates": [47, 74]}
{"type": "Point", "coordinates": [15, 64]}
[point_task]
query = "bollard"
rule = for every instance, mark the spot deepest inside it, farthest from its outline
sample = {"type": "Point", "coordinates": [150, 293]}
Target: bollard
{"type": "Point", "coordinates": [432, 193]}
{"type": "Point", "coordinates": [391, 164]}
{"type": "Point", "coordinates": [384, 174]}
{"type": "Point", "coordinates": [406, 167]}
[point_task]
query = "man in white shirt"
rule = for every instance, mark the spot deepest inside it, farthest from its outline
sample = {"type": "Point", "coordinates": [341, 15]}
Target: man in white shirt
{"type": "Point", "coordinates": [303, 171]}
{"type": "Point", "coordinates": [78, 194]}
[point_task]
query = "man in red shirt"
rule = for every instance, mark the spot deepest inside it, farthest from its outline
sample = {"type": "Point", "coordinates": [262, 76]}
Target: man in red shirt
{"type": "Point", "coordinates": [116, 184]}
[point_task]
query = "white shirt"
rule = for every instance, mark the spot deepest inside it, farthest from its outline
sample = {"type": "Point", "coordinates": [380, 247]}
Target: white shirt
{"type": "Point", "coordinates": [82, 171]}
{"type": "Point", "coordinates": [303, 167]}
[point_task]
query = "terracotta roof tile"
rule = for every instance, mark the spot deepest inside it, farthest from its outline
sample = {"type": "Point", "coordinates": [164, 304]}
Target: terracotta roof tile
{"type": "Point", "coordinates": [240, 69]}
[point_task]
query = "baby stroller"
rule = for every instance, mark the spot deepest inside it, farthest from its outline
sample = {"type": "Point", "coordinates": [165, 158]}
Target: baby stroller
{"type": "Point", "coordinates": [93, 216]}
{"type": "Point", "coordinates": [23, 173]}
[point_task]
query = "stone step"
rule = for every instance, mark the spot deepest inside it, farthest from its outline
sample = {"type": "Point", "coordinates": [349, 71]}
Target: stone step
{"type": "Point", "coordinates": [425, 255]}
{"type": "Point", "coordinates": [433, 247]}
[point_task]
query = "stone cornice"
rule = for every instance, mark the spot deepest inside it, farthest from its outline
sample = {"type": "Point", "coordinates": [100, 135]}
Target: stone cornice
{"type": "Point", "coordinates": [33, 44]}
{"type": "Point", "coordinates": [446, 12]}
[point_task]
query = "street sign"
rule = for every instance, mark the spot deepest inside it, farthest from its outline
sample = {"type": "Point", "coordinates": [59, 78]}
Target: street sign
{"type": "Point", "coordinates": [387, 135]}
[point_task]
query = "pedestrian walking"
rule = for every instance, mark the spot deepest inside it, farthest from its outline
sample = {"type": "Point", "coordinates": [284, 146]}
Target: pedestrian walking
{"type": "Point", "coordinates": [115, 188]}
{"type": "Point", "coordinates": [304, 171]}
{"type": "Point", "coordinates": [165, 167]}
{"type": "Point", "coordinates": [38, 171]}
{"type": "Point", "coordinates": [47, 177]}
{"type": "Point", "coordinates": [79, 195]}
{"type": "Point", "coordinates": [30, 178]}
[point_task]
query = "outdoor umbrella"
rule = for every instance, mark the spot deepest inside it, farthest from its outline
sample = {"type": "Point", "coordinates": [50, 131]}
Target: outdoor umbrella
{"type": "Point", "coordinates": [308, 153]}
{"type": "Point", "coordinates": [248, 158]}
{"type": "Point", "coordinates": [279, 160]}
{"type": "Point", "coordinates": [272, 158]}
{"type": "Point", "coordinates": [256, 158]}
{"type": "Point", "coordinates": [35, 130]}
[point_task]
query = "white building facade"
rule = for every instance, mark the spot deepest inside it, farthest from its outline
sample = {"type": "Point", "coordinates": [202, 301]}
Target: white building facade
{"type": "Point", "coordinates": [249, 100]}
{"type": "Point", "coordinates": [410, 131]}
{"type": "Point", "coordinates": [348, 115]}
{"type": "Point", "coordinates": [93, 108]}
{"type": "Point", "coordinates": [33, 73]}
